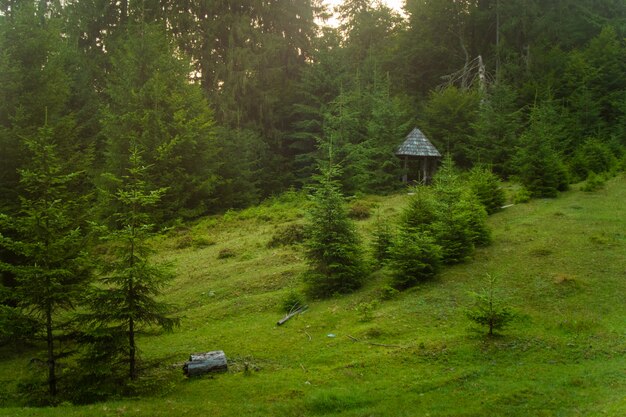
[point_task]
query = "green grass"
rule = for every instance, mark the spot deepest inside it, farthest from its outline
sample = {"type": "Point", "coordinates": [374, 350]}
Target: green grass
{"type": "Point", "coordinates": [561, 264]}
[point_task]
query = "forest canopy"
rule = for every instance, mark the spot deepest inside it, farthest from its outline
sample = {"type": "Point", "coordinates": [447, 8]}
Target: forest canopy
{"type": "Point", "coordinates": [231, 103]}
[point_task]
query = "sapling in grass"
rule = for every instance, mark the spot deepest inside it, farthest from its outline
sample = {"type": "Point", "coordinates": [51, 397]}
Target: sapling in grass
{"type": "Point", "coordinates": [382, 241]}
{"type": "Point", "coordinates": [489, 309]}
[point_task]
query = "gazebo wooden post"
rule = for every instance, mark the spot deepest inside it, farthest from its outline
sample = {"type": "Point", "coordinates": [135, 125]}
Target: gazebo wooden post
{"type": "Point", "coordinates": [405, 174]}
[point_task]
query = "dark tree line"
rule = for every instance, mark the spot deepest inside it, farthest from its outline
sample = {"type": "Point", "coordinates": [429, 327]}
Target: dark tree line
{"type": "Point", "coordinates": [235, 101]}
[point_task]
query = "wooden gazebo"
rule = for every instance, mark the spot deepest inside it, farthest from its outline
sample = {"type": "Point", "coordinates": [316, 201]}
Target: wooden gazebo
{"type": "Point", "coordinates": [418, 153]}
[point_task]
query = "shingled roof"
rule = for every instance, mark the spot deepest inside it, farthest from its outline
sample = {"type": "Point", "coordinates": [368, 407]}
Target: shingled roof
{"type": "Point", "coordinates": [416, 144]}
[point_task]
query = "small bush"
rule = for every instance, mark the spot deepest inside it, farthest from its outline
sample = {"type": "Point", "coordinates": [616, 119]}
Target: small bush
{"type": "Point", "coordinates": [183, 242]}
{"type": "Point", "coordinates": [387, 292]}
{"type": "Point", "coordinates": [522, 196]}
{"type": "Point", "coordinates": [226, 253]}
{"type": "Point", "coordinates": [289, 235]}
{"type": "Point", "coordinates": [365, 310]}
{"type": "Point", "coordinates": [415, 257]}
{"type": "Point", "coordinates": [293, 301]}
{"type": "Point", "coordinates": [202, 242]}
{"type": "Point", "coordinates": [359, 211]}
{"type": "Point", "coordinates": [381, 242]}
{"type": "Point", "coordinates": [592, 156]}
{"type": "Point", "coordinates": [594, 182]}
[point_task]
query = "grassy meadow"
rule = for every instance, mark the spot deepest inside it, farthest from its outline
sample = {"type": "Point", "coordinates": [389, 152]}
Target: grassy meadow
{"type": "Point", "coordinates": [561, 264]}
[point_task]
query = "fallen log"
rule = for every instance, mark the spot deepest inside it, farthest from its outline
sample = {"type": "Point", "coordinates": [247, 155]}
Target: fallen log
{"type": "Point", "coordinates": [202, 363]}
{"type": "Point", "coordinates": [290, 315]}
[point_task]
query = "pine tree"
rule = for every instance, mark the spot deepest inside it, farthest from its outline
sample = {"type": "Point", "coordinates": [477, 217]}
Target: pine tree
{"type": "Point", "coordinates": [496, 130]}
{"type": "Point", "coordinates": [382, 240]}
{"type": "Point", "coordinates": [386, 124]}
{"type": "Point", "coordinates": [333, 249]}
{"type": "Point", "coordinates": [538, 164]}
{"type": "Point", "coordinates": [414, 257]}
{"type": "Point", "coordinates": [460, 218]}
{"type": "Point", "coordinates": [51, 267]}
{"type": "Point", "coordinates": [151, 103]}
{"type": "Point", "coordinates": [448, 118]}
{"type": "Point", "coordinates": [489, 310]}
{"type": "Point", "coordinates": [130, 281]}
{"type": "Point", "coordinates": [487, 187]}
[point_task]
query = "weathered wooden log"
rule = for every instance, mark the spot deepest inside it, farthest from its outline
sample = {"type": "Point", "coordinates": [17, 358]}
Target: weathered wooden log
{"type": "Point", "coordinates": [290, 315]}
{"type": "Point", "coordinates": [202, 363]}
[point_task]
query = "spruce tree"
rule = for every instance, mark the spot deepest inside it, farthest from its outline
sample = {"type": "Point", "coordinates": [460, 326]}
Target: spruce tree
{"type": "Point", "coordinates": [151, 102]}
{"type": "Point", "coordinates": [382, 240]}
{"type": "Point", "coordinates": [50, 265]}
{"type": "Point", "coordinates": [414, 257]}
{"type": "Point", "coordinates": [538, 164]}
{"type": "Point", "coordinates": [487, 187]}
{"type": "Point", "coordinates": [333, 249]}
{"type": "Point", "coordinates": [126, 299]}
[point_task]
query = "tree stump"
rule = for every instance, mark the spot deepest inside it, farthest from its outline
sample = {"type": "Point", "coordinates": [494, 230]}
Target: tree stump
{"type": "Point", "coordinates": [202, 363]}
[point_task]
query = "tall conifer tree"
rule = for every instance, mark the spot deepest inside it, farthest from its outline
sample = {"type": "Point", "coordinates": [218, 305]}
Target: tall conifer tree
{"type": "Point", "coordinates": [131, 281]}
{"type": "Point", "coordinates": [50, 265]}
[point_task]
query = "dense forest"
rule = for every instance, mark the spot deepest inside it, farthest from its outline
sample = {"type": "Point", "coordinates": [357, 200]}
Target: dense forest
{"type": "Point", "coordinates": [230, 103]}
{"type": "Point", "coordinates": [115, 115]}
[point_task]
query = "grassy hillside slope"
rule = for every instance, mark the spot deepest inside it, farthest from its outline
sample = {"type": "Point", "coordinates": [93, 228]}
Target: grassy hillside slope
{"type": "Point", "coordinates": [561, 264]}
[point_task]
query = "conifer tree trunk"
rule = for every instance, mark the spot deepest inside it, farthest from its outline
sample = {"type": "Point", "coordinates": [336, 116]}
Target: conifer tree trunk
{"type": "Point", "coordinates": [52, 380]}
{"type": "Point", "coordinates": [132, 349]}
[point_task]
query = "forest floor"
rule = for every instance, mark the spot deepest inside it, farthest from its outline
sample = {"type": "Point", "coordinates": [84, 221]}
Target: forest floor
{"type": "Point", "coordinates": [561, 264]}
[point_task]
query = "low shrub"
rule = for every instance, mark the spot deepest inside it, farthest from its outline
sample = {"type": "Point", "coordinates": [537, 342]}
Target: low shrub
{"type": "Point", "coordinates": [359, 211]}
{"type": "Point", "coordinates": [522, 196]}
{"type": "Point", "coordinates": [293, 301]}
{"type": "Point", "coordinates": [226, 253]}
{"type": "Point", "coordinates": [365, 310]}
{"type": "Point", "coordinates": [387, 292]}
{"type": "Point", "coordinates": [289, 235]}
{"type": "Point", "coordinates": [594, 182]}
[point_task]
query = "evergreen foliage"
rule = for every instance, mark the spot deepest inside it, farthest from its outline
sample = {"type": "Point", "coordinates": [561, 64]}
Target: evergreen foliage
{"type": "Point", "coordinates": [414, 258]}
{"type": "Point", "coordinates": [453, 233]}
{"type": "Point", "coordinates": [333, 249]}
{"type": "Point", "coordinates": [460, 222]}
{"type": "Point", "coordinates": [422, 210]}
{"type": "Point", "coordinates": [228, 104]}
{"type": "Point", "coordinates": [539, 166]}
{"type": "Point", "coordinates": [594, 182]}
{"type": "Point", "coordinates": [49, 262]}
{"type": "Point", "coordinates": [448, 118]}
{"type": "Point", "coordinates": [151, 104]}
{"type": "Point", "coordinates": [449, 212]}
{"type": "Point", "coordinates": [489, 309]}
{"type": "Point", "coordinates": [126, 298]}
{"type": "Point", "coordinates": [487, 188]}
{"type": "Point", "coordinates": [593, 156]}
{"type": "Point", "coordinates": [382, 241]}
{"type": "Point", "coordinates": [496, 130]}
